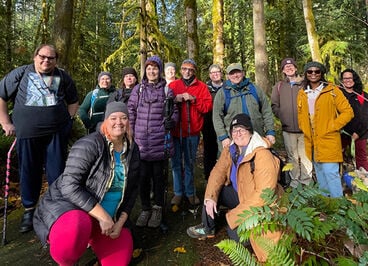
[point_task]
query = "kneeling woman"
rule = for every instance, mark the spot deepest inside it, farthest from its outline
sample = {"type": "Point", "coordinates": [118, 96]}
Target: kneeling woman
{"type": "Point", "coordinates": [90, 202]}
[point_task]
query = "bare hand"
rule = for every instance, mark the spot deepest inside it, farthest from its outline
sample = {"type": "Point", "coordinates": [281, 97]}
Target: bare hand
{"type": "Point", "coordinates": [355, 136]}
{"type": "Point", "coordinates": [226, 143]}
{"type": "Point", "coordinates": [211, 208]}
{"type": "Point", "coordinates": [271, 139]}
{"type": "Point", "coordinates": [187, 97]}
{"type": "Point", "coordinates": [106, 226]}
{"type": "Point", "coordinates": [116, 230]}
{"type": "Point", "coordinates": [9, 129]}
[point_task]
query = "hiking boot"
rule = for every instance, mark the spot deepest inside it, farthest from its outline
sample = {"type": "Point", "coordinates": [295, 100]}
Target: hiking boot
{"type": "Point", "coordinates": [176, 200]}
{"type": "Point", "coordinates": [156, 217]}
{"type": "Point", "coordinates": [194, 200]}
{"type": "Point", "coordinates": [143, 218]}
{"type": "Point", "coordinates": [26, 224]}
{"type": "Point", "coordinates": [200, 232]}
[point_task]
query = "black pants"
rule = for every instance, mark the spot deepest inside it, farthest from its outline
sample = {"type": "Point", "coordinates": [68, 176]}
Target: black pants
{"type": "Point", "coordinates": [152, 171]}
{"type": "Point", "coordinates": [229, 198]}
{"type": "Point", "coordinates": [210, 146]}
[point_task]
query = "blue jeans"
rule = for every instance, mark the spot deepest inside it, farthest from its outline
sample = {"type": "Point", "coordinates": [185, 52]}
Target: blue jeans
{"type": "Point", "coordinates": [328, 178]}
{"type": "Point", "coordinates": [183, 179]}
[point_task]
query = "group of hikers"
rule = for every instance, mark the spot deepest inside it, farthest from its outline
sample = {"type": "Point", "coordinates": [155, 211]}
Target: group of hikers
{"type": "Point", "coordinates": [136, 130]}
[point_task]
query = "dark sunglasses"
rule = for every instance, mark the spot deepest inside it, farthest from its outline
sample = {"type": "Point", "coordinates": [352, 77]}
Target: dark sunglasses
{"type": "Point", "coordinates": [314, 71]}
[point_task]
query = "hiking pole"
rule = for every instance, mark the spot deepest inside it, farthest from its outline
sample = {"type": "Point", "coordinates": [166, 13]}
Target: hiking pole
{"type": "Point", "coordinates": [195, 206]}
{"type": "Point", "coordinates": [168, 111]}
{"type": "Point", "coordinates": [7, 181]}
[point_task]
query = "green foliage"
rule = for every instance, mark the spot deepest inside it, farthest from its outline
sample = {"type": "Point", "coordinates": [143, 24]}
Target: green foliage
{"type": "Point", "coordinates": [314, 227]}
{"type": "Point", "coordinates": [237, 253]}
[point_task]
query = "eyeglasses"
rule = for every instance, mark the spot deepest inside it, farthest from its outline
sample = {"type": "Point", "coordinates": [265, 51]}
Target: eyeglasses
{"type": "Point", "coordinates": [347, 78]}
{"type": "Point", "coordinates": [44, 57]}
{"type": "Point", "coordinates": [240, 131]}
{"type": "Point", "coordinates": [314, 71]}
{"type": "Point", "coordinates": [215, 72]}
{"type": "Point", "coordinates": [184, 69]}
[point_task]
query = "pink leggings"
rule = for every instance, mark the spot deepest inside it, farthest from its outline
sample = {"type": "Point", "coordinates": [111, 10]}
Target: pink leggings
{"type": "Point", "coordinates": [74, 230]}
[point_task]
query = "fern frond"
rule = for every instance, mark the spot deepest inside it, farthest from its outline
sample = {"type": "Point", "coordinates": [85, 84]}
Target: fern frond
{"type": "Point", "coordinates": [237, 253]}
{"type": "Point", "coordinates": [301, 223]}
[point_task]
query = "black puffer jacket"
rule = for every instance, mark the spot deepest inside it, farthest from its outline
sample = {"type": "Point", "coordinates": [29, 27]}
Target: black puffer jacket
{"type": "Point", "coordinates": [84, 182]}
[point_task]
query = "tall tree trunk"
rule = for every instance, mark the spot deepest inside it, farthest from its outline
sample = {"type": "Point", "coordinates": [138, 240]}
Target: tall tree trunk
{"type": "Point", "coordinates": [218, 31]}
{"type": "Point", "coordinates": [260, 53]}
{"type": "Point", "coordinates": [311, 30]}
{"type": "Point", "coordinates": [8, 33]}
{"type": "Point", "coordinates": [62, 32]}
{"type": "Point", "coordinates": [190, 7]}
{"type": "Point", "coordinates": [143, 36]}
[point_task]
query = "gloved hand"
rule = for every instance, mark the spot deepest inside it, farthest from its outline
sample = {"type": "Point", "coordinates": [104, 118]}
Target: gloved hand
{"type": "Point", "coordinates": [169, 124]}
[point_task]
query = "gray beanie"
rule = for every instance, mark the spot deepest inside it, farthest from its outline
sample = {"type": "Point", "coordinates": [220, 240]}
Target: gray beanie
{"type": "Point", "coordinates": [104, 73]}
{"type": "Point", "coordinates": [114, 107]}
{"type": "Point", "coordinates": [315, 64]}
{"type": "Point", "coordinates": [170, 64]}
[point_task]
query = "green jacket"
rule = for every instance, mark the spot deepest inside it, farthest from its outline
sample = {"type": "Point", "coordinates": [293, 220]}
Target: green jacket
{"type": "Point", "coordinates": [260, 113]}
{"type": "Point", "coordinates": [92, 116]}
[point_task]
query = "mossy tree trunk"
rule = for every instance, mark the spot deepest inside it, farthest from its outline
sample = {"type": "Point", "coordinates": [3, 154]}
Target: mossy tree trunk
{"type": "Point", "coordinates": [63, 30]}
{"type": "Point", "coordinates": [218, 32]}
{"type": "Point", "coordinates": [311, 30]}
{"type": "Point", "coordinates": [260, 52]}
{"type": "Point", "coordinates": [190, 7]}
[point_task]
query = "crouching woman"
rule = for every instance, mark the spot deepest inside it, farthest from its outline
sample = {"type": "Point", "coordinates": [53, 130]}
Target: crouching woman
{"type": "Point", "coordinates": [89, 204]}
{"type": "Point", "coordinates": [234, 183]}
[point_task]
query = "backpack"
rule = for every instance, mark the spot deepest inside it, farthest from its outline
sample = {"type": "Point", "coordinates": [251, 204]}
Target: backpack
{"type": "Point", "coordinates": [228, 97]}
{"type": "Point", "coordinates": [284, 176]}
{"type": "Point", "coordinates": [94, 98]}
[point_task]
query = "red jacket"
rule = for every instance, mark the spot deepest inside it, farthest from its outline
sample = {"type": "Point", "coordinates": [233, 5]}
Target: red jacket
{"type": "Point", "coordinates": [201, 105]}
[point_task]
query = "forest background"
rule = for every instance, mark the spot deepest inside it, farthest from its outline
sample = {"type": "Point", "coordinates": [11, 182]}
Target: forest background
{"type": "Point", "coordinates": [97, 35]}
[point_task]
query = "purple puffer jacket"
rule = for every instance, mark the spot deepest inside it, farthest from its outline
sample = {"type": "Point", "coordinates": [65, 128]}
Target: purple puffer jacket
{"type": "Point", "coordinates": [146, 118]}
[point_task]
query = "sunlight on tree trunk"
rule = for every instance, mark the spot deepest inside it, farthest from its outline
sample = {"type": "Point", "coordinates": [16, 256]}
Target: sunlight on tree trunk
{"type": "Point", "coordinates": [260, 53]}
{"type": "Point", "coordinates": [311, 30]}
{"type": "Point", "coordinates": [218, 31]}
{"type": "Point", "coordinates": [62, 32]}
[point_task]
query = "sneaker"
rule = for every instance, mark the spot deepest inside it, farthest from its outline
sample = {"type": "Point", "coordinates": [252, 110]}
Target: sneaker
{"type": "Point", "coordinates": [143, 218]}
{"type": "Point", "coordinates": [194, 200]}
{"type": "Point", "coordinates": [200, 232]}
{"type": "Point", "coordinates": [176, 200]}
{"type": "Point", "coordinates": [156, 217]}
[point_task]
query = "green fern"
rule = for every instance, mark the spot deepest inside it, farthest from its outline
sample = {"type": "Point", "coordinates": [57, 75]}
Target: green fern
{"type": "Point", "coordinates": [314, 227]}
{"type": "Point", "coordinates": [237, 253]}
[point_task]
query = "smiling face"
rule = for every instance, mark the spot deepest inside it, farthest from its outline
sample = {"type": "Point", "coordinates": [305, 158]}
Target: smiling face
{"type": "Point", "coordinates": [314, 75]}
{"type": "Point", "coordinates": [129, 80]}
{"type": "Point", "coordinates": [241, 136]}
{"type": "Point", "coordinates": [45, 59]}
{"type": "Point", "coordinates": [235, 76]}
{"type": "Point", "coordinates": [289, 70]}
{"type": "Point", "coordinates": [187, 70]}
{"type": "Point", "coordinates": [215, 75]}
{"type": "Point", "coordinates": [170, 73]}
{"type": "Point", "coordinates": [152, 73]}
{"type": "Point", "coordinates": [104, 82]}
{"type": "Point", "coordinates": [117, 125]}
{"type": "Point", "coordinates": [348, 80]}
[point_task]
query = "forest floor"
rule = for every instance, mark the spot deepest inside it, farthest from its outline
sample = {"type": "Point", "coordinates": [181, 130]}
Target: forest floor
{"type": "Point", "coordinates": [158, 247]}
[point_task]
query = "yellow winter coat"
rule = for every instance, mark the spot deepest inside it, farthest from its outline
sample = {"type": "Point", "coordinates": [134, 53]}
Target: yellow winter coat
{"type": "Point", "coordinates": [332, 112]}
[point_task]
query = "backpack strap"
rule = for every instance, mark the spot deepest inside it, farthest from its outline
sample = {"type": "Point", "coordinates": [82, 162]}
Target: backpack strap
{"type": "Point", "coordinates": [228, 97]}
